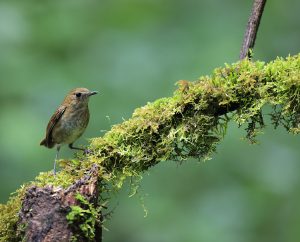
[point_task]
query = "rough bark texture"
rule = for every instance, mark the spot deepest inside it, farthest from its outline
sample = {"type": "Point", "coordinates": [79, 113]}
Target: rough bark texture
{"type": "Point", "coordinates": [44, 210]}
{"type": "Point", "coordinates": [252, 28]}
{"type": "Point", "coordinates": [44, 213]}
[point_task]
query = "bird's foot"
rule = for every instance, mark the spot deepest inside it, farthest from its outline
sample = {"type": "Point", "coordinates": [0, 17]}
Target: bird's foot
{"type": "Point", "coordinates": [87, 151]}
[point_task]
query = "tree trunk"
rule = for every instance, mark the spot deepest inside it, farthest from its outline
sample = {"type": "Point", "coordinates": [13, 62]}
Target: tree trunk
{"type": "Point", "coordinates": [44, 211]}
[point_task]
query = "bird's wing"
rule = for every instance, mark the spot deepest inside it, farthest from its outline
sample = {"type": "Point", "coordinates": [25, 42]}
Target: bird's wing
{"type": "Point", "coordinates": [53, 121]}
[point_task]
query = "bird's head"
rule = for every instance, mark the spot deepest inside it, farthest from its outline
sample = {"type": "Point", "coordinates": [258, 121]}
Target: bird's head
{"type": "Point", "coordinates": [79, 97]}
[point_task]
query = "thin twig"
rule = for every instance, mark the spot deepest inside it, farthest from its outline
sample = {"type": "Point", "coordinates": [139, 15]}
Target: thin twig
{"type": "Point", "coordinates": [252, 28]}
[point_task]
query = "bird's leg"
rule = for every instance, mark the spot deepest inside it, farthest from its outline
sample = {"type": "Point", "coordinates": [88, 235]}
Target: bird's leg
{"type": "Point", "coordinates": [85, 151]}
{"type": "Point", "coordinates": [75, 148]}
{"type": "Point", "coordinates": [56, 158]}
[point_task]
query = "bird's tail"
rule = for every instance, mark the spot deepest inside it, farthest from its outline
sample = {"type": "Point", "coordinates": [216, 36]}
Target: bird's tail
{"type": "Point", "coordinates": [47, 144]}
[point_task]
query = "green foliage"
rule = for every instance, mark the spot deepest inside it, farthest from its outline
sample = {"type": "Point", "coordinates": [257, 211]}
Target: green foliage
{"type": "Point", "coordinates": [84, 218]}
{"type": "Point", "coordinates": [189, 124]}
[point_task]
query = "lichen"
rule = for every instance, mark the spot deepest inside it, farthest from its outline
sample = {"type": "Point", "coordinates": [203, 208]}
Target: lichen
{"type": "Point", "coordinates": [188, 124]}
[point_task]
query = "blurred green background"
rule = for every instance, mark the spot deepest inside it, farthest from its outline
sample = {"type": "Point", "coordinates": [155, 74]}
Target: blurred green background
{"type": "Point", "coordinates": [133, 52]}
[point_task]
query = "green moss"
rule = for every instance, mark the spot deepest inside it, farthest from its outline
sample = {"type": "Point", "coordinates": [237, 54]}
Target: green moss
{"type": "Point", "coordinates": [188, 124]}
{"type": "Point", "coordinates": [83, 218]}
{"type": "Point", "coordinates": [9, 230]}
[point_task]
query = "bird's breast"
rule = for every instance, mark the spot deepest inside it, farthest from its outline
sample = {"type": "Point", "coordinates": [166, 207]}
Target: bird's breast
{"type": "Point", "coordinates": [71, 126]}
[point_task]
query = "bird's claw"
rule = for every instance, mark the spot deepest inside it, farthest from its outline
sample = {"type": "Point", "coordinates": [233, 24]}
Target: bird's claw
{"type": "Point", "coordinates": [87, 152]}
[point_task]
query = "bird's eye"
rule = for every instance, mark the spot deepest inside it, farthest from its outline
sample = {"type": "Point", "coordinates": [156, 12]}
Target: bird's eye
{"type": "Point", "coordinates": [78, 94]}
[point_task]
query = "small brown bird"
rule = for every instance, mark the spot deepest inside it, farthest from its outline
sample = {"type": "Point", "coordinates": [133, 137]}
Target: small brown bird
{"type": "Point", "coordinates": [69, 121]}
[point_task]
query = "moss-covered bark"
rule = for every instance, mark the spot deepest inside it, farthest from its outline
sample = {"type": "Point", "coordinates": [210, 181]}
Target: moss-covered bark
{"type": "Point", "coordinates": [188, 124]}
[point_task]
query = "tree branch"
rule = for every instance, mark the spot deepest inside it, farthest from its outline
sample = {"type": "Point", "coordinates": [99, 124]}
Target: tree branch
{"type": "Point", "coordinates": [252, 28]}
{"type": "Point", "coordinates": [188, 124]}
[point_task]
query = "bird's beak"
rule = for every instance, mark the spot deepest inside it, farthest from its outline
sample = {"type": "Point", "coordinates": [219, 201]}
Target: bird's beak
{"type": "Point", "coordinates": [92, 93]}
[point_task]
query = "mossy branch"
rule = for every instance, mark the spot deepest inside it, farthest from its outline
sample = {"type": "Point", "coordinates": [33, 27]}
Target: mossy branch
{"type": "Point", "coordinates": [188, 124]}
